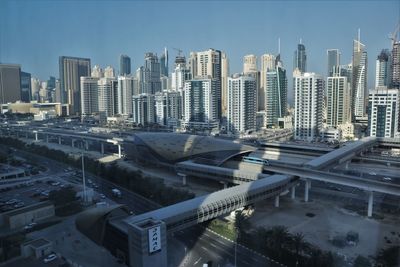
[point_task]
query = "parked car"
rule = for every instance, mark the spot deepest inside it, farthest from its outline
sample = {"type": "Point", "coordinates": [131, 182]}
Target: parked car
{"type": "Point", "coordinates": [50, 258]}
{"type": "Point", "coordinates": [387, 179]}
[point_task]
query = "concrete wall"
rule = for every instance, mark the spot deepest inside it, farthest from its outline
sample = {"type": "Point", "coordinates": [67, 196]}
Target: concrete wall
{"type": "Point", "coordinates": [22, 219]}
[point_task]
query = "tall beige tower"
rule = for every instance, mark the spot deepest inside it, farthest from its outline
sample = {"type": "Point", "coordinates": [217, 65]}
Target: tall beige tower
{"type": "Point", "coordinates": [267, 64]}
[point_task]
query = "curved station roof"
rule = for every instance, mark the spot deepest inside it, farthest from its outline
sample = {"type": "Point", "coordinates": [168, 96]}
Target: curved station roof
{"type": "Point", "coordinates": [172, 147]}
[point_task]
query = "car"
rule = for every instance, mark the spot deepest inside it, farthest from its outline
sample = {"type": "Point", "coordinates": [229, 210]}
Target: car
{"type": "Point", "coordinates": [386, 178]}
{"type": "Point", "coordinates": [55, 183]}
{"type": "Point", "coordinates": [372, 173]}
{"type": "Point", "coordinates": [30, 226]}
{"type": "Point", "coordinates": [50, 258]}
{"type": "Point", "coordinates": [12, 201]}
{"type": "Point", "coordinates": [102, 196]}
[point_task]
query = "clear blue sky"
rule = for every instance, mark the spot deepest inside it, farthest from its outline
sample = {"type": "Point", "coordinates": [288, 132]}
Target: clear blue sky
{"type": "Point", "coordinates": [35, 33]}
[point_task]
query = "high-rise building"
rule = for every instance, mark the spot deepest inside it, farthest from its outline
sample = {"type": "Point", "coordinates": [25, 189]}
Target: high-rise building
{"type": "Point", "coordinates": [300, 58]}
{"type": "Point", "coordinates": [26, 89]}
{"type": "Point", "coordinates": [383, 70]}
{"type": "Point", "coordinates": [10, 83]}
{"type": "Point", "coordinates": [384, 112]}
{"type": "Point", "coordinates": [359, 81]}
{"type": "Point", "coordinates": [201, 105]}
{"type": "Point", "coordinates": [124, 65]}
{"type": "Point", "coordinates": [151, 74]}
{"type": "Point", "coordinates": [249, 63]}
{"type": "Point", "coordinates": [211, 64]}
{"type": "Point", "coordinates": [180, 75]}
{"type": "Point", "coordinates": [127, 87]}
{"type": "Point", "coordinates": [168, 108]}
{"type": "Point", "coordinates": [338, 99]}
{"type": "Point", "coordinates": [333, 60]}
{"type": "Point", "coordinates": [35, 84]}
{"type": "Point", "coordinates": [109, 72]}
{"type": "Point", "coordinates": [51, 83]}
{"type": "Point", "coordinates": [309, 105]}
{"type": "Point", "coordinates": [224, 84]}
{"type": "Point", "coordinates": [143, 109]}
{"type": "Point", "coordinates": [395, 65]}
{"type": "Point", "coordinates": [89, 96]}
{"type": "Point", "coordinates": [267, 64]}
{"type": "Point", "coordinates": [275, 95]}
{"type": "Point", "coordinates": [241, 104]}
{"type": "Point", "coordinates": [164, 63]}
{"type": "Point", "coordinates": [106, 96]}
{"type": "Point", "coordinates": [97, 72]}
{"type": "Point", "coordinates": [57, 91]}
{"type": "Point", "coordinates": [71, 70]}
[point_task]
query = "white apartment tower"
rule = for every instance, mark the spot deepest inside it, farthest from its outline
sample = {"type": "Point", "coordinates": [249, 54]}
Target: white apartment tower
{"type": "Point", "coordinates": [106, 87]}
{"type": "Point", "coordinates": [201, 105]}
{"type": "Point", "coordinates": [143, 109]}
{"type": "Point", "coordinates": [241, 104]}
{"type": "Point", "coordinates": [309, 105]}
{"type": "Point", "coordinates": [168, 108]}
{"type": "Point", "coordinates": [338, 106]}
{"type": "Point", "coordinates": [89, 96]}
{"type": "Point", "coordinates": [383, 69]}
{"type": "Point", "coordinates": [384, 112]}
{"type": "Point", "coordinates": [267, 64]}
{"type": "Point", "coordinates": [359, 81]}
{"type": "Point", "coordinates": [127, 87]}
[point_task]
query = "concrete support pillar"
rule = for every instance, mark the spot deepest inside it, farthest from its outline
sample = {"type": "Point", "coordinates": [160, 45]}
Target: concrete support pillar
{"type": "Point", "coordinates": [307, 187]}
{"type": "Point", "coordinates": [26, 135]}
{"type": "Point", "coordinates": [47, 138]}
{"type": "Point", "coordinates": [277, 201]}
{"type": "Point", "coordinates": [293, 192]}
{"type": "Point", "coordinates": [36, 136]}
{"type": "Point", "coordinates": [370, 203]}
{"type": "Point", "coordinates": [347, 165]}
{"type": "Point", "coordinates": [362, 153]}
{"type": "Point", "coordinates": [87, 145]}
{"type": "Point", "coordinates": [73, 143]}
{"type": "Point", "coordinates": [119, 151]}
{"type": "Point", "coordinates": [183, 179]}
{"type": "Point", "coordinates": [225, 185]}
{"type": "Point", "coordinates": [102, 148]}
{"type": "Point", "coordinates": [59, 140]}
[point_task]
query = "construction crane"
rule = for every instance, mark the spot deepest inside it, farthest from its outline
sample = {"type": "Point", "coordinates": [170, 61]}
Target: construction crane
{"type": "Point", "coordinates": [179, 50]}
{"type": "Point", "coordinates": [393, 36]}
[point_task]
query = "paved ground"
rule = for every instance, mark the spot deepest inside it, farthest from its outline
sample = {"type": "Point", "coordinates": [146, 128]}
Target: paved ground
{"type": "Point", "coordinates": [329, 221]}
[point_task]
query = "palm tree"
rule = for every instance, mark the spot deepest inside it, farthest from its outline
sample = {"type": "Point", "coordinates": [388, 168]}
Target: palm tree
{"type": "Point", "coordinates": [240, 221]}
{"type": "Point", "coordinates": [278, 239]}
{"type": "Point", "coordinates": [299, 245]}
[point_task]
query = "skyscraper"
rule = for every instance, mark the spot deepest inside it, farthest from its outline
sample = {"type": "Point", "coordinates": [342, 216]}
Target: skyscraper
{"type": "Point", "coordinates": [35, 84]}
{"type": "Point", "coordinates": [309, 105]}
{"type": "Point", "coordinates": [143, 109]}
{"type": "Point", "coordinates": [97, 72]}
{"type": "Point", "coordinates": [212, 64]}
{"type": "Point", "coordinates": [249, 63]}
{"type": "Point", "coordinates": [151, 74]}
{"type": "Point", "coordinates": [106, 97]}
{"type": "Point", "coordinates": [109, 72]}
{"type": "Point", "coordinates": [384, 112]}
{"type": "Point", "coordinates": [359, 81]}
{"type": "Point", "coordinates": [241, 104]}
{"type": "Point", "coordinates": [224, 84]}
{"type": "Point", "coordinates": [168, 108]}
{"type": "Point", "coordinates": [383, 70]}
{"type": "Point", "coordinates": [127, 87]}
{"type": "Point", "coordinates": [10, 83]}
{"type": "Point", "coordinates": [89, 96]}
{"type": "Point", "coordinates": [333, 60]}
{"type": "Point", "coordinates": [124, 65]}
{"type": "Point", "coordinates": [164, 63]}
{"type": "Point", "coordinates": [71, 70]}
{"type": "Point", "coordinates": [201, 105]}
{"type": "Point", "coordinates": [300, 58]}
{"type": "Point", "coordinates": [26, 89]}
{"type": "Point", "coordinates": [396, 65]}
{"type": "Point", "coordinates": [267, 64]}
{"type": "Point", "coordinates": [275, 95]}
{"type": "Point", "coordinates": [338, 99]}
{"type": "Point", "coordinates": [180, 74]}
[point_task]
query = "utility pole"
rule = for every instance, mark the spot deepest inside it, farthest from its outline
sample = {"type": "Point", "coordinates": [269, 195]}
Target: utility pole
{"type": "Point", "coordinates": [84, 180]}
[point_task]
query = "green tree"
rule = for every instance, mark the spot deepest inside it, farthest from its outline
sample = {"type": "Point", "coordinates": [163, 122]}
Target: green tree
{"type": "Point", "coordinates": [361, 261]}
{"type": "Point", "coordinates": [63, 196]}
{"type": "Point", "coordinates": [388, 257]}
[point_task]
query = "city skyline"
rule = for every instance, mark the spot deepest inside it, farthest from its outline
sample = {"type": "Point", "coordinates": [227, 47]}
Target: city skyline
{"type": "Point", "coordinates": [26, 43]}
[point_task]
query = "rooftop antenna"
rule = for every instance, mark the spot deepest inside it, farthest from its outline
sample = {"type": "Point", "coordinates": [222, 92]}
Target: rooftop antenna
{"type": "Point", "coordinates": [279, 45]}
{"type": "Point", "coordinates": [300, 41]}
